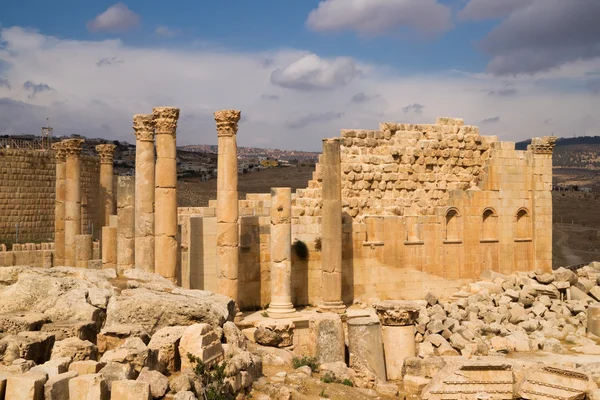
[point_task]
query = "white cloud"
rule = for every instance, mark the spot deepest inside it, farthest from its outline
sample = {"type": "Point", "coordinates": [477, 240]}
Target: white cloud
{"type": "Point", "coordinates": [167, 32]}
{"type": "Point", "coordinates": [378, 17]}
{"type": "Point", "coordinates": [101, 101]}
{"type": "Point", "coordinates": [311, 72]}
{"type": "Point", "coordinates": [491, 9]}
{"type": "Point", "coordinates": [115, 19]}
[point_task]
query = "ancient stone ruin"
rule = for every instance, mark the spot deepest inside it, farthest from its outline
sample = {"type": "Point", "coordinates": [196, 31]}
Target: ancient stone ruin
{"type": "Point", "coordinates": [416, 263]}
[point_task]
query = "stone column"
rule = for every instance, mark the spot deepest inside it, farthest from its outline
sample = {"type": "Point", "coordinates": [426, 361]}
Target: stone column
{"type": "Point", "coordinates": [165, 195]}
{"type": "Point", "coordinates": [143, 125]}
{"type": "Point", "coordinates": [83, 250]}
{"type": "Point", "coordinates": [59, 204]}
{"type": "Point", "coordinates": [72, 197]}
{"type": "Point", "coordinates": [227, 203]}
{"type": "Point", "coordinates": [397, 318]}
{"type": "Point", "coordinates": [107, 154]}
{"type": "Point", "coordinates": [281, 253]}
{"type": "Point", "coordinates": [331, 242]}
{"type": "Point", "coordinates": [593, 321]}
{"type": "Point", "coordinates": [126, 223]}
{"type": "Point", "coordinates": [109, 247]}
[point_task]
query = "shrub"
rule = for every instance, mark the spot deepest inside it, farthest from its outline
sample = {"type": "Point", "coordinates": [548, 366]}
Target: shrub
{"type": "Point", "coordinates": [212, 378]}
{"type": "Point", "coordinates": [308, 361]}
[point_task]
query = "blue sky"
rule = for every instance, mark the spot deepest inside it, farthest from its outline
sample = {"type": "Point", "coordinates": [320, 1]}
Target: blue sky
{"type": "Point", "coordinates": [301, 70]}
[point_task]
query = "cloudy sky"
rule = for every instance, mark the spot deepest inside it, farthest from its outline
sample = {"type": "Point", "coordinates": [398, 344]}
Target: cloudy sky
{"type": "Point", "coordinates": [301, 70]}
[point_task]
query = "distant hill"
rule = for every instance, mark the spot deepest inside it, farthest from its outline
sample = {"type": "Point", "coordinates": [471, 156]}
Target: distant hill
{"type": "Point", "coordinates": [578, 152]}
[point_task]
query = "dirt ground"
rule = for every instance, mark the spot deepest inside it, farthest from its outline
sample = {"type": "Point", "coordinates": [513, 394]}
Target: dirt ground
{"type": "Point", "coordinates": [576, 228]}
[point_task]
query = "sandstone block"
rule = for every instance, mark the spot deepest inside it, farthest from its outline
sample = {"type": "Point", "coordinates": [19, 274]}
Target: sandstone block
{"type": "Point", "coordinates": [88, 387]}
{"type": "Point", "coordinates": [114, 371]}
{"type": "Point", "coordinates": [130, 390]}
{"type": "Point", "coordinates": [159, 384]}
{"type": "Point", "coordinates": [132, 351]}
{"type": "Point", "coordinates": [326, 338]}
{"type": "Point", "coordinates": [397, 312]}
{"type": "Point", "coordinates": [76, 349]}
{"type": "Point", "coordinates": [57, 387]}
{"type": "Point", "coordinates": [115, 334]}
{"type": "Point", "coordinates": [66, 329]}
{"type": "Point", "coordinates": [86, 367]}
{"type": "Point", "coordinates": [53, 367]}
{"type": "Point", "coordinates": [164, 349]}
{"type": "Point", "coordinates": [200, 340]}
{"type": "Point", "coordinates": [278, 334]}
{"type": "Point", "coordinates": [29, 386]}
{"type": "Point", "coordinates": [13, 323]}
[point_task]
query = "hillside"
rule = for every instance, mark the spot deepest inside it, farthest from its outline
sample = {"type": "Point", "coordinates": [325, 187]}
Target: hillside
{"type": "Point", "coordinates": [579, 152]}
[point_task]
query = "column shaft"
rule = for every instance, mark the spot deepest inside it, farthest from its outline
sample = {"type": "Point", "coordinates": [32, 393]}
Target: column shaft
{"type": "Point", "coordinates": [165, 195]}
{"type": "Point", "coordinates": [59, 205]}
{"type": "Point", "coordinates": [331, 242]}
{"type": "Point", "coordinates": [126, 223]}
{"type": "Point", "coordinates": [144, 191]}
{"type": "Point", "coordinates": [106, 153]}
{"type": "Point", "coordinates": [227, 203]}
{"type": "Point", "coordinates": [72, 197]}
{"type": "Point", "coordinates": [281, 254]}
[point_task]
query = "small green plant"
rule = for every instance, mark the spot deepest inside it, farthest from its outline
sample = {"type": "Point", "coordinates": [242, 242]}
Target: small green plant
{"type": "Point", "coordinates": [308, 361]}
{"type": "Point", "coordinates": [323, 394]}
{"type": "Point", "coordinates": [265, 314]}
{"type": "Point", "coordinates": [212, 378]}
{"type": "Point", "coordinates": [328, 378]}
{"type": "Point", "coordinates": [318, 243]}
{"type": "Point", "coordinates": [347, 382]}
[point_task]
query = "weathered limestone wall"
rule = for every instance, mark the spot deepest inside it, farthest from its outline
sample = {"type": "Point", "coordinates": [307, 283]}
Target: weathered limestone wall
{"type": "Point", "coordinates": [33, 254]}
{"type": "Point", "coordinates": [27, 191]}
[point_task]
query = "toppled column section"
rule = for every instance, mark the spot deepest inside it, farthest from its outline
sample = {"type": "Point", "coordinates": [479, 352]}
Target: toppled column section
{"type": "Point", "coordinates": [109, 247]}
{"type": "Point", "coordinates": [165, 229]}
{"type": "Point", "coordinates": [227, 203]}
{"type": "Point", "coordinates": [107, 155]}
{"type": "Point", "coordinates": [281, 253]}
{"type": "Point", "coordinates": [72, 148]}
{"type": "Point", "coordinates": [143, 125]}
{"type": "Point", "coordinates": [59, 204]}
{"type": "Point", "coordinates": [397, 318]}
{"type": "Point", "coordinates": [365, 346]}
{"type": "Point", "coordinates": [126, 223]}
{"type": "Point", "coordinates": [326, 338]}
{"type": "Point", "coordinates": [331, 256]}
{"type": "Point", "coordinates": [593, 319]}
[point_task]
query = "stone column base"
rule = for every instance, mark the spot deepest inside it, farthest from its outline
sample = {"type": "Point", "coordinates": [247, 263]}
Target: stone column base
{"type": "Point", "coordinates": [281, 310]}
{"type": "Point", "coordinates": [337, 307]}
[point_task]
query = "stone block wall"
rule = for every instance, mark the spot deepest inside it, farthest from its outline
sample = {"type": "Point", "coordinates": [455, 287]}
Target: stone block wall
{"type": "Point", "coordinates": [27, 182]}
{"type": "Point", "coordinates": [426, 208]}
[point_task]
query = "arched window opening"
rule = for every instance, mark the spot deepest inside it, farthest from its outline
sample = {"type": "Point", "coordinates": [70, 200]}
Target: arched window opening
{"type": "Point", "coordinates": [523, 224]}
{"type": "Point", "coordinates": [453, 226]}
{"type": "Point", "coordinates": [489, 223]}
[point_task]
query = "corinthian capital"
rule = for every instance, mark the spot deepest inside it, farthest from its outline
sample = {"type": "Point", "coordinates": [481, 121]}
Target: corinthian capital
{"type": "Point", "coordinates": [60, 153]}
{"type": "Point", "coordinates": [143, 127]}
{"type": "Point", "coordinates": [72, 147]}
{"type": "Point", "coordinates": [106, 153]}
{"type": "Point", "coordinates": [227, 122]}
{"type": "Point", "coordinates": [165, 120]}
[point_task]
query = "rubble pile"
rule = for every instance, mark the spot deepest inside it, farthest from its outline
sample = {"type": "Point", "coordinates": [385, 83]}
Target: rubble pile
{"type": "Point", "coordinates": [86, 334]}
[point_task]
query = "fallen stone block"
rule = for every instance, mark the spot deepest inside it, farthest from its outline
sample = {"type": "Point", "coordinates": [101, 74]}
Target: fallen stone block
{"type": "Point", "coordinates": [114, 371]}
{"type": "Point", "coordinates": [130, 390]}
{"type": "Point", "coordinates": [277, 334]}
{"type": "Point", "coordinates": [553, 382]}
{"type": "Point", "coordinates": [16, 322]}
{"type": "Point", "coordinates": [398, 312]}
{"type": "Point", "coordinates": [201, 341]}
{"type": "Point", "coordinates": [88, 387]}
{"type": "Point", "coordinates": [42, 345]}
{"type": "Point", "coordinates": [53, 367]}
{"type": "Point", "coordinates": [132, 351]}
{"type": "Point", "coordinates": [76, 349]}
{"type": "Point", "coordinates": [164, 349]}
{"type": "Point", "coordinates": [65, 329]}
{"type": "Point", "coordinates": [57, 387]}
{"type": "Point", "coordinates": [28, 386]}
{"type": "Point", "coordinates": [326, 338]}
{"type": "Point", "coordinates": [112, 336]}
{"type": "Point", "coordinates": [86, 367]}
{"type": "Point", "coordinates": [159, 384]}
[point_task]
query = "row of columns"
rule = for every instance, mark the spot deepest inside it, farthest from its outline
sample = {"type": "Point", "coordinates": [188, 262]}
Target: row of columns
{"type": "Point", "coordinates": [147, 240]}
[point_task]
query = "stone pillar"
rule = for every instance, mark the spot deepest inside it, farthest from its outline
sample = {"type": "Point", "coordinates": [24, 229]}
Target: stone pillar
{"type": "Point", "coordinates": [107, 154]}
{"type": "Point", "coordinates": [326, 338]}
{"type": "Point", "coordinates": [281, 252]}
{"type": "Point", "coordinates": [59, 204]}
{"type": "Point", "coordinates": [83, 250]}
{"type": "Point", "coordinates": [165, 195]}
{"type": "Point", "coordinates": [365, 346]}
{"type": "Point", "coordinates": [143, 125]}
{"type": "Point", "coordinates": [397, 318]}
{"type": "Point", "coordinates": [331, 242]}
{"type": "Point", "coordinates": [227, 203]}
{"type": "Point", "coordinates": [126, 223]}
{"type": "Point", "coordinates": [109, 247]}
{"type": "Point", "coordinates": [72, 197]}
